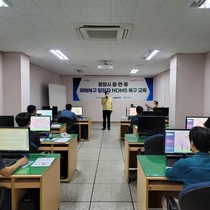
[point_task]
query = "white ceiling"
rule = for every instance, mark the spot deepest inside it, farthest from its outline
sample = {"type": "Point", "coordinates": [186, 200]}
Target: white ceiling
{"type": "Point", "coordinates": [33, 26]}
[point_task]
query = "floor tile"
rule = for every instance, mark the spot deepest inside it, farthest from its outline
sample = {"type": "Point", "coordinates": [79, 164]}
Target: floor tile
{"type": "Point", "coordinates": [82, 156]}
{"type": "Point", "coordinates": [91, 145]}
{"type": "Point", "coordinates": [133, 188]}
{"type": "Point", "coordinates": [111, 165]}
{"type": "Point", "coordinates": [83, 177]}
{"type": "Point", "coordinates": [74, 205]}
{"type": "Point", "coordinates": [88, 150]}
{"type": "Point", "coordinates": [89, 165]}
{"type": "Point", "coordinates": [76, 192]}
{"type": "Point", "coordinates": [111, 192]}
{"type": "Point", "coordinates": [114, 157]}
{"type": "Point", "coordinates": [113, 177]}
{"type": "Point", "coordinates": [111, 145]}
{"type": "Point", "coordinates": [111, 206]}
{"type": "Point", "coordinates": [111, 150]}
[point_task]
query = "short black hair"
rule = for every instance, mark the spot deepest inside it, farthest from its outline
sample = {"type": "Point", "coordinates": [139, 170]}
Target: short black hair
{"type": "Point", "coordinates": [201, 138]}
{"type": "Point", "coordinates": [139, 109]}
{"type": "Point", "coordinates": [106, 92]}
{"type": "Point", "coordinates": [156, 102]}
{"type": "Point", "coordinates": [31, 109]}
{"type": "Point", "coordinates": [207, 123]}
{"type": "Point", "coordinates": [23, 118]}
{"type": "Point", "coordinates": [68, 106]}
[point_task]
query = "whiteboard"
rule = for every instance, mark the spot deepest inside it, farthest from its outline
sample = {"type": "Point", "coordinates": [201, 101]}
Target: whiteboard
{"type": "Point", "coordinates": [57, 96]}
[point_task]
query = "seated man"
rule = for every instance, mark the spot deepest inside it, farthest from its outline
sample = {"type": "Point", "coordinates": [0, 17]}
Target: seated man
{"type": "Point", "coordinates": [31, 109]}
{"type": "Point", "coordinates": [134, 119]}
{"type": "Point", "coordinates": [23, 119]}
{"type": "Point", "coordinates": [68, 113]}
{"type": "Point", "coordinates": [7, 171]}
{"type": "Point", "coordinates": [194, 169]}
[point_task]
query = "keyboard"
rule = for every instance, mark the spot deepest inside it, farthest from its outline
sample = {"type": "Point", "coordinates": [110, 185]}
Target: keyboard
{"type": "Point", "coordinates": [171, 162]}
{"type": "Point", "coordinates": [9, 161]}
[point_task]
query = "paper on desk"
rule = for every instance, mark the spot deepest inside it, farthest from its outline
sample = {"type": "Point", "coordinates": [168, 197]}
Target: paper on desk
{"type": "Point", "coordinates": [42, 162]}
{"type": "Point", "coordinates": [42, 139]}
{"type": "Point", "coordinates": [62, 140]}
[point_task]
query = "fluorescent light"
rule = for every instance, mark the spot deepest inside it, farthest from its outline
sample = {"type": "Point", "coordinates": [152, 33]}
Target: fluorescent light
{"type": "Point", "coordinates": [206, 4]}
{"type": "Point", "coordinates": [134, 71]}
{"type": "Point", "coordinates": [150, 54]}
{"type": "Point", "coordinates": [59, 54]}
{"type": "Point", "coordinates": [105, 66]}
{"type": "Point", "coordinates": [3, 4]}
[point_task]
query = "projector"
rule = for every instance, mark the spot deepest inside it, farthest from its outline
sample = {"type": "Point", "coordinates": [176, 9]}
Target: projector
{"type": "Point", "coordinates": [105, 66]}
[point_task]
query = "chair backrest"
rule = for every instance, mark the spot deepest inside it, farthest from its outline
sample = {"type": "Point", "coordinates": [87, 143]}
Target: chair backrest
{"type": "Point", "coordinates": [69, 123]}
{"type": "Point", "coordinates": [2, 191]}
{"type": "Point", "coordinates": [34, 148]}
{"type": "Point", "coordinates": [154, 145]}
{"type": "Point", "coordinates": [195, 196]}
{"type": "Point", "coordinates": [130, 128]}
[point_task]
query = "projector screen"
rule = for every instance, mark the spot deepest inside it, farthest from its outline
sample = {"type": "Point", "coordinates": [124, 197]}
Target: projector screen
{"type": "Point", "coordinates": [57, 95]}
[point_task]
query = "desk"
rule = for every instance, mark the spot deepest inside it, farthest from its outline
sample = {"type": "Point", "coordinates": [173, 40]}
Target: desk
{"type": "Point", "coordinates": [68, 151]}
{"type": "Point", "coordinates": [124, 124]}
{"type": "Point", "coordinates": [85, 128]}
{"type": "Point", "coordinates": [46, 179]}
{"type": "Point", "coordinates": [61, 129]}
{"type": "Point", "coordinates": [152, 183]}
{"type": "Point", "coordinates": [132, 144]}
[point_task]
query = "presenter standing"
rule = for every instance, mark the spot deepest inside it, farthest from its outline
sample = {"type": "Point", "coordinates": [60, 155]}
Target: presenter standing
{"type": "Point", "coordinates": [106, 103]}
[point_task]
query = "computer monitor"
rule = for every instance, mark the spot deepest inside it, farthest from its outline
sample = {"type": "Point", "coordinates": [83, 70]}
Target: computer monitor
{"type": "Point", "coordinates": [194, 121]}
{"type": "Point", "coordinates": [40, 123]}
{"type": "Point", "coordinates": [164, 110]}
{"type": "Point", "coordinates": [150, 125]}
{"type": "Point", "coordinates": [42, 112]}
{"type": "Point", "coordinates": [150, 113]}
{"type": "Point", "coordinates": [53, 108]}
{"type": "Point", "coordinates": [177, 141]}
{"type": "Point", "coordinates": [77, 110]}
{"type": "Point", "coordinates": [14, 140]}
{"type": "Point", "coordinates": [6, 121]}
{"type": "Point", "coordinates": [130, 111]}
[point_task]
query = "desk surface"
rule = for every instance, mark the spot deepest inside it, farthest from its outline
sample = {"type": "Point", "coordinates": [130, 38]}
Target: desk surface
{"type": "Point", "coordinates": [153, 165]}
{"type": "Point", "coordinates": [134, 138]}
{"type": "Point", "coordinates": [28, 170]}
{"type": "Point", "coordinates": [72, 136]}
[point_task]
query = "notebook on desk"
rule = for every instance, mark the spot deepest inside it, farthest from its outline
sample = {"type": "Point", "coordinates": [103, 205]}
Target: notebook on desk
{"type": "Point", "coordinates": [177, 145]}
{"type": "Point", "coordinates": [14, 144]}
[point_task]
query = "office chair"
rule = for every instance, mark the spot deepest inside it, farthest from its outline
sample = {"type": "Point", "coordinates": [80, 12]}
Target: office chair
{"type": "Point", "coordinates": [2, 191]}
{"type": "Point", "coordinates": [69, 124]}
{"type": "Point", "coordinates": [130, 128]}
{"type": "Point", "coordinates": [34, 148]}
{"type": "Point", "coordinates": [192, 197]}
{"type": "Point", "coordinates": [153, 145]}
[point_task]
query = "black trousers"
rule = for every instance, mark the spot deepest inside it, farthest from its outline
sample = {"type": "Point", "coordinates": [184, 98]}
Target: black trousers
{"type": "Point", "coordinates": [6, 202]}
{"type": "Point", "coordinates": [106, 115]}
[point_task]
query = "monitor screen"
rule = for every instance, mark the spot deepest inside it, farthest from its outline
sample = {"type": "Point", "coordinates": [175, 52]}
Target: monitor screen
{"type": "Point", "coordinates": [14, 139]}
{"type": "Point", "coordinates": [194, 121]}
{"type": "Point", "coordinates": [164, 110]}
{"type": "Point", "coordinates": [150, 113]}
{"type": "Point", "coordinates": [130, 111]}
{"type": "Point", "coordinates": [77, 110]}
{"type": "Point", "coordinates": [40, 123]}
{"type": "Point", "coordinates": [6, 121]}
{"type": "Point", "coordinates": [177, 141]}
{"type": "Point", "coordinates": [53, 108]}
{"type": "Point", "coordinates": [151, 124]}
{"type": "Point", "coordinates": [42, 112]}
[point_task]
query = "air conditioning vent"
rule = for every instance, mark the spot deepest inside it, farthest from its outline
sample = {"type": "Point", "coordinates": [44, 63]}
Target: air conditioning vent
{"type": "Point", "coordinates": [104, 32]}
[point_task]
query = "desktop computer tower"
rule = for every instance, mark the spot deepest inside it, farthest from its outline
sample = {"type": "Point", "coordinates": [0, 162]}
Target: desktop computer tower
{"type": "Point", "coordinates": [84, 133]}
{"type": "Point", "coordinates": [30, 200]}
{"type": "Point", "coordinates": [63, 165]}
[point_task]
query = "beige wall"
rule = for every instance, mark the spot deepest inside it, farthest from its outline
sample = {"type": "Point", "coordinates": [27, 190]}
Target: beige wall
{"type": "Point", "coordinates": [187, 89]}
{"type": "Point", "coordinates": [40, 78]}
{"type": "Point", "coordinates": [1, 84]}
{"type": "Point", "coordinates": [206, 104]}
{"type": "Point", "coordinates": [161, 90]}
